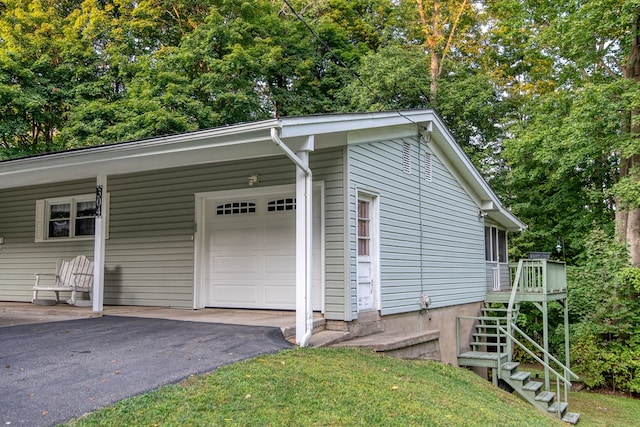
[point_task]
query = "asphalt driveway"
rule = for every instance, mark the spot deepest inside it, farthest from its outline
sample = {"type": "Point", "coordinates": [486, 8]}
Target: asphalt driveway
{"type": "Point", "coordinates": [53, 372]}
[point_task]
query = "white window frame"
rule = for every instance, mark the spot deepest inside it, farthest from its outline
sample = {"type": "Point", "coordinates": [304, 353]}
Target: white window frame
{"type": "Point", "coordinates": [493, 244]}
{"type": "Point", "coordinates": [42, 217]}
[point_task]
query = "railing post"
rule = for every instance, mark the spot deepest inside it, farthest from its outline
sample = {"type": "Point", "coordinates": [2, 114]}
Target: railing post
{"type": "Point", "coordinates": [498, 346]}
{"type": "Point", "coordinates": [558, 413]}
{"type": "Point", "coordinates": [509, 334]}
{"type": "Point", "coordinates": [517, 282]}
{"type": "Point", "coordinates": [544, 277]}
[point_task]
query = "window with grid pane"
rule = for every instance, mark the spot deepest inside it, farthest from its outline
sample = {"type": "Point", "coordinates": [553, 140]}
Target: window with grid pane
{"type": "Point", "coordinates": [66, 217]}
{"type": "Point", "coordinates": [364, 228]}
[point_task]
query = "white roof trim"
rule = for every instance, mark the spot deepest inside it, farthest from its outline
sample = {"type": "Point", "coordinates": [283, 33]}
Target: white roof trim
{"type": "Point", "coordinates": [213, 145]}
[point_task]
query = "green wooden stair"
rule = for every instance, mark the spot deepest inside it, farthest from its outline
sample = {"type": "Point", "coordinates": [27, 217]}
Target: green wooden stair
{"type": "Point", "coordinates": [485, 335]}
{"type": "Point", "coordinates": [491, 347]}
{"type": "Point", "coordinates": [531, 391]}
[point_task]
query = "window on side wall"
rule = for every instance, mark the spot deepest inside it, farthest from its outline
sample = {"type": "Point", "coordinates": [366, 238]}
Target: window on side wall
{"type": "Point", "coordinates": [67, 218]}
{"type": "Point", "coordinates": [502, 246]}
{"type": "Point", "coordinates": [495, 244]}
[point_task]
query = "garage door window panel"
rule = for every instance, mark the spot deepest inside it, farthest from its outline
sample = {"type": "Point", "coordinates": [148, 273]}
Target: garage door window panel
{"type": "Point", "coordinates": [236, 208]}
{"type": "Point", "coordinates": [280, 205]}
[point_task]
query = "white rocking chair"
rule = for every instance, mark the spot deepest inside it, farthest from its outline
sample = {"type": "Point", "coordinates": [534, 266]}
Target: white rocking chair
{"type": "Point", "coordinates": [70, 276]}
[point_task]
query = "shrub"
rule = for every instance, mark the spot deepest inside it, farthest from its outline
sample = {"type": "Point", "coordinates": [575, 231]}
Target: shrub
{"type": "Point", "coordinates": [604, 306]}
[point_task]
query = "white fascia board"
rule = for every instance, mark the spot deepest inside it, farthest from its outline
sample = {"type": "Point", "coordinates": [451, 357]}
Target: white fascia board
{"type": "Point", "coordinates": [214, 145]}
{"type": "Point", "coordinates": [361, 136]}
{"type": "Point", "coordinates": [333, 123]}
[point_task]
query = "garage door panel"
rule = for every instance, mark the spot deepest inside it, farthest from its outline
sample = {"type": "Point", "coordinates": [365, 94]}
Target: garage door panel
{"type": "Point", "coordinates": [235, 295]}
{"type": "Point", "coordinates": [278, 295]}
{"type": "Point", "coordinates": [279, 236]}
{"type": "Point", "coordinates": [280, 264]}
{"type": "Point", "coordinates": [235, 264]}
{"type": "Point", "coordinates": [234, 236]}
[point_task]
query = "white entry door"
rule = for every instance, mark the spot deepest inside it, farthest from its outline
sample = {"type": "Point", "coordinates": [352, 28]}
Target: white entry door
{"type": "Point", "coordinates": [366, 256]}
{"type": "Point", "coordinates": [249, 251]}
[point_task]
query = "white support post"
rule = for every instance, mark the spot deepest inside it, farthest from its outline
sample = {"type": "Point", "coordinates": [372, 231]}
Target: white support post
{"type": "Point", "coordinates": [99, 245]}
{"type": "Point", "coordinates": [304, 234]}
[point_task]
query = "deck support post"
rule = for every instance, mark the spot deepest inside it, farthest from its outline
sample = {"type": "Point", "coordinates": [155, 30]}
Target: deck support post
{"type": "Point", "coordinates": [545, 342]}
{"type": "Point", "coordinates": [567, 356]}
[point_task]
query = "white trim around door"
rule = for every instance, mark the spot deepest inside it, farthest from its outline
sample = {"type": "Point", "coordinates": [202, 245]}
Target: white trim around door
{"type": "Point", "coordinates": [367, 252]}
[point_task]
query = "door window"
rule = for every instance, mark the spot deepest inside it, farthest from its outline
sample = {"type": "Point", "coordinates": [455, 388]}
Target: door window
{"type": "Point", "coordinates": [364, 228]}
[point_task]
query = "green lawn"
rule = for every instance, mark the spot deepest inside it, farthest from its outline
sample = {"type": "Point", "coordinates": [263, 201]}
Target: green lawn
{"type": "Point", "coordinates": [326, 387]}
{"type": "Point", "coordinates": [597, 409]}
{"type": "Point", "coordinates": [605, 410]}
{"type": "Point", "coordinates": [341, 387]}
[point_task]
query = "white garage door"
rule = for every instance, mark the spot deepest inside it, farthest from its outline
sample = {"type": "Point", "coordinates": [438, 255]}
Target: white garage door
{"type": "Point", "coordinates": [249, 250]}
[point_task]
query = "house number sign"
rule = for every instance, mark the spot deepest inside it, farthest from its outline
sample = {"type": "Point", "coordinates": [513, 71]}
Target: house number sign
{"type": "Point", "coordinates": [99, 201]}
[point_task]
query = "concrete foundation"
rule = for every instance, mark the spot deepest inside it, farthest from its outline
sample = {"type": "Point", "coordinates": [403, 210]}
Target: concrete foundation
{"type": "Point", "coordinates": [426, 334]}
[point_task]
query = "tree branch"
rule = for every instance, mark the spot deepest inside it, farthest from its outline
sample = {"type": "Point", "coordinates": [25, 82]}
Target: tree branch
{"type": "Point", "coordinates": [447, 46]}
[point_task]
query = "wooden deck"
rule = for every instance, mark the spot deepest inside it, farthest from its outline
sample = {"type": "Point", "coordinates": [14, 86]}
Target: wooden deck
{"type": "Point", "coordinates": [504, 296]}
{"type": "Point", "coordinates": [535, 280]}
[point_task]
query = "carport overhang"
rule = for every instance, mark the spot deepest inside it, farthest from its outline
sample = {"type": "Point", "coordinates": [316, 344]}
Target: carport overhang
{"type": "Point", "coordinates": [293, 137]}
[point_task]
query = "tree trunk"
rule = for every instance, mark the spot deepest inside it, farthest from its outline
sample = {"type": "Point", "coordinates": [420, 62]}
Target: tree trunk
{"type": "Point", "coordinates": [432, 36]}
{"type": "Point", "coordinates": [433, 51]}
{"type": "Point", "coordinates": [628, 222]}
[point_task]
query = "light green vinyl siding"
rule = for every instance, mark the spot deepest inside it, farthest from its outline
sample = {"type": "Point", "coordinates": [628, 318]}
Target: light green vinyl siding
{"type": "Point", "coordinates": [448, 264]}
{"type": "Point", "coordinates": [20, 256]}
{"type": "Point", "coordinates": [150, 253]}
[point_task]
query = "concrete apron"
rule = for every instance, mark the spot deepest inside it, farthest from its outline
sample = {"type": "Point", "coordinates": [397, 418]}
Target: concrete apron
{"type": "Point", "coordinates": [20, 313]}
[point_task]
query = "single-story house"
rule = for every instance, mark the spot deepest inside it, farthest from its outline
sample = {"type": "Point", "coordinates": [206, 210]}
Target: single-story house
{"type": "Point", "coordinates": [369, 215]}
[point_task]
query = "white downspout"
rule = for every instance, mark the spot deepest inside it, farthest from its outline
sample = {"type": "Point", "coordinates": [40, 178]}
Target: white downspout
{"type": "Point", "coordinates": [304, 234]}
{"type": "Point", "coordinates": [97, 296]}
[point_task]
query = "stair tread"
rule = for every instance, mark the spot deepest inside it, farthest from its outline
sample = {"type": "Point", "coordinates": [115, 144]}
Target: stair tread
{"type": "Point", "coordinates": [484, 344]}
{"type": "Point", "coordinates": [532, 386]}
{"type": "Point", "coordinates": [520, 376]}
{"type": "Point", "coordinates": [562, 405]}
{"type": "Point", "coordinates": [388, 341]}
{"type": "Point", "coordinates": [482, 355]}
{"type": "Point", "coordinates": [510, 366]}
{"type": "Point", "coordinates": [546, 396]}
{"type": "Point", "coordinates": [571, 417]}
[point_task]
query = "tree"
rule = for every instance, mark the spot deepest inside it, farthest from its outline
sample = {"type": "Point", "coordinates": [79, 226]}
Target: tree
{"type": "Point", "coordinates": [38, 73]}
{"type": "Point", "coordinates": [628, 212]}
{"type": "Point", "coordinates": [440, 25]}
{"type": "Point", "coordinates": [569, 145]}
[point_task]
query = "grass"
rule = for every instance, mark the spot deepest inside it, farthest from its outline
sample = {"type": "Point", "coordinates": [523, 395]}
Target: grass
{"type": "Point", "coordinates": [598, 409]}
{"type": "Point", "coordinates": [325, 387]}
